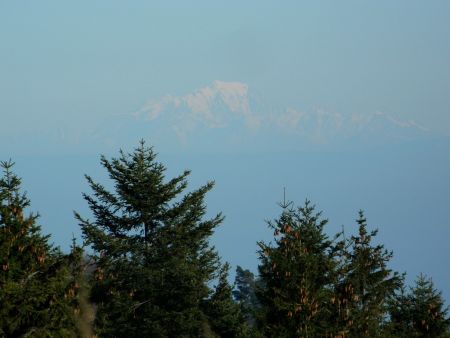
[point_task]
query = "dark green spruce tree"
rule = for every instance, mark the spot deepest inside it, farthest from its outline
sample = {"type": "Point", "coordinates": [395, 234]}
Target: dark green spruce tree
{"type": "Point", "coordinates": [429, 314]}
{"type": "Point", "coordinates": [399, 324]}
{"type": "Point", "coordinates": [38, 295]}
{"type": "Point", "coordinates": [151, 249]}
{"type": "Point", "coordinates": [225, 317]}
{"type": "Point", "coordinates": [419, 313]}
{"type": "Point", "coordinates": [297, 273]}
{"type": "Point", "coordinates": [367, 284]}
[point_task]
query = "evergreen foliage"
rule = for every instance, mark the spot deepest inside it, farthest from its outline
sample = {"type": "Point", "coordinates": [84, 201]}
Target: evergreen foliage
{"type": "Point", "coordinates": [224, 314]}
{"type": "Point", "coordinates": [152, 267]}
{"type": "Point", "coordinates": [419, 313]}
{"type": "Point", "coordinates": [366, 285]}
{"type": "Point", "coordinates": [297, 273]}
{"type": "Point", "coordinates": [151, 249]}
{"type": "Point", "coordinates": [37, 291]}
{"type": "Point", "coordinates": [399, 308]}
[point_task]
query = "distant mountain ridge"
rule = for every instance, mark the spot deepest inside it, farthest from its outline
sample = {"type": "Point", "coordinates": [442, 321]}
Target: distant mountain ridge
{"type": "Point", "coordinates": [226, 116]}
{"type": "Point", "coordinates": [230, 105]}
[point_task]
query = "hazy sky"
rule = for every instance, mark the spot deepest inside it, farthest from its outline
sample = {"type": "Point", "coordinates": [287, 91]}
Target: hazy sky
{"type": "Point", "coordinates": [73, 63]}
{"type": "Point", "coordinates": [344, 102]}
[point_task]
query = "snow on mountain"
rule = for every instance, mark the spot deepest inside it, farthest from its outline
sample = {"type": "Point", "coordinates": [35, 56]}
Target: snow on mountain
{"type": "Point", "coordinates": [229, 106]}
{"type": "Point", "coordinates": [213, 106]}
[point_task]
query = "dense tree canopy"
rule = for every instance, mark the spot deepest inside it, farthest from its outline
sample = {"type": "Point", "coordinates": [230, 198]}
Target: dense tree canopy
{"type": "Point", "coordinates": [366, 284]}
{"type": "Point", "coordinates": [37, 289]}
{"type": "Point", "coordinates": [153, 273]}
{"type": "Point", "coordinates": [420, 312]}
{"type": "Point", "coordinates": [151, 249]}
{"type": "Point", "coordinates": [225, 316]}
{"type": "Point", "coordinates": [297, 273]}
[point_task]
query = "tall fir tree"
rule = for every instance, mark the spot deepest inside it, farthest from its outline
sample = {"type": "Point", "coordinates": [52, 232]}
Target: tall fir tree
{"type": "Point", "coordinates": [151, 249]}
{"type": "Point", "coordinates": [419, 313]}
{"type": "Point", "coordinates": [297, 273]}
{"type": "Point", "coordinates": [366, 286]}
{"type": "Point", "coordinates": [225, 317]}
{"type": "Point", "coordinates": [38, 294]}
{"type": "Point", "coordinates": [399, 323]}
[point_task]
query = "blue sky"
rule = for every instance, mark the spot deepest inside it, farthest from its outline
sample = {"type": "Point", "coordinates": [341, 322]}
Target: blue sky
{"type": "Point", "coordinates": [345, 103]}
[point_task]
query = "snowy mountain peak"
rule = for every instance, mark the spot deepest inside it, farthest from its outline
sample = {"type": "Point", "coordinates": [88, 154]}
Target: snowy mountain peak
{"type": "Point", "coordinates": [229, 105]}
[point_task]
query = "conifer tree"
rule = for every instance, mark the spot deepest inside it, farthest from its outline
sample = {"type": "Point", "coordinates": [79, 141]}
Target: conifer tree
{"type": "Point", "coordinates": [151, 250]}
{"type": "Point", "coordinates": [224, 314]}
{"type": "Point", "coordinates": [367, 285]}
{"type": "Point", "coordinates": [399, 324]}
{"type": "Point", "coordinates": [429, 315]}
{"type": "Point", "coordinates": [297, 273]}
{"type": "Point", "coordinates": [37, 292]}
{"type": "Point", "coordinates": [420, 313]}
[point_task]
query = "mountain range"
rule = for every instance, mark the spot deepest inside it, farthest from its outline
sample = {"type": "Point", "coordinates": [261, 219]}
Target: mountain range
{"type": "Point", "coordinates": [224, 116]}
{"type": "Point", "coordinates": [227, 112]}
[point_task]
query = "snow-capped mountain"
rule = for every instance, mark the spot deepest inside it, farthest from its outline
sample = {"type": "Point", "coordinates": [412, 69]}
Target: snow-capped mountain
{"type": "Point", "coordinates": [228, 109]}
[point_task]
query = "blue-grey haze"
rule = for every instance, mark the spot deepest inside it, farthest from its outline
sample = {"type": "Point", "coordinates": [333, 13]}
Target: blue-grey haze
{"type": "Point", "coordinates": [345, 103]}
